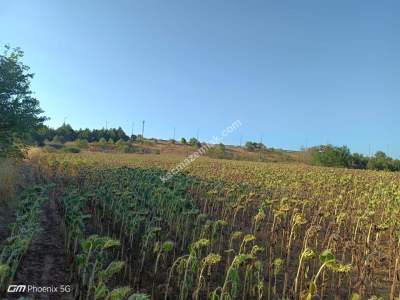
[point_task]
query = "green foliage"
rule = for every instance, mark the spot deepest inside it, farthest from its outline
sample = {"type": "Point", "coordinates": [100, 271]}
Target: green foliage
{"type": "Point", "coordinates": [82, 143]}
{"type": "Point", "coordinates": [358, 161]}
{"type": "Point", "coordinates": [330, 156]}
{"type": "Point", "coordinates": [26, 226]}
{"type": "Point", "coordinates": [380, 161]}
{"type": "Point", "coordinates": [183, 141]}
{"type": "Point", "coordinates": [66, 133]}
{"type": "Point", "coordinates": [120, 142]}
{"type": "Point", "coordinates": [126, 147]}
{"type": "Point", "coordinates": [71, 149]}
{"type": "Point", "coordinates": [20, 114]}
{"type": "Point", "coordinates": [253, 146]}
{"type": "Point", "coordinates": [194, 142]}
{"type": "Point", "coordinates": [219, 151]}
{"type": "Point", "coordinates": [57, 140]}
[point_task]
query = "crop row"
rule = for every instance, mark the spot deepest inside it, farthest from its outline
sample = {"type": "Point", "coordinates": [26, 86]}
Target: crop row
{"type": "Point", "coordinates": [23, 231]}
{"type": "Point", "coordinates": [328, 232]}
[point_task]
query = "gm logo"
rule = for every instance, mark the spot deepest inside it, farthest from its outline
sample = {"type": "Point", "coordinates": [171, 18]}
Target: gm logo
{"type": "Point", "coordinates": [12, 288]}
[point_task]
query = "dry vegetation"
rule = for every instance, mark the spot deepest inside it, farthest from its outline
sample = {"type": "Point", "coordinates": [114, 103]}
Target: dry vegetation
{"type": "Point", "coordinates": [226, 229]}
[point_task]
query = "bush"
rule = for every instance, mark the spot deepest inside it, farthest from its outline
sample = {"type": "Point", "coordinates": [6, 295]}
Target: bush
{"type": "Point", "coordinates": [194, 142]}
{"type": "Point", "coordinates": [82, 143]}
{"type": "Point", "coordinates": [358, 161]}
{"type": "Point", "coordinates": [120, 143]}
{"type": "Point", "coordinates": [126, 148]}
{"type": "Point", "coordinates": [57, 140]}
{"type": "Point", "coordinates": [71, 149]}
{"type": "Point", "coordinates": [331, 156]}
{"type": "Point", "coordinates": [219, 151]}
{"type": "Point", "coordinates": [253, 146]}
{"type": "Point", "coordinates": [381, 162]}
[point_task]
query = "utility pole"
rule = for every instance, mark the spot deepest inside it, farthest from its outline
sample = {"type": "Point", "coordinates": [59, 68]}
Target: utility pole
{"type": "Point", "coordinates": [106, 124]}
{"type": "Point", "coordinates": [197, 134]}
{"type": "Point", "coordinates": [133, 125]}
{"type": "Point", "coordinates": [64, 121]}
{"type": "Point", "coordinates": [143, 130]}
{"type": "Point", "coordinates": [240, 140]}
{"type": "Point", "coordinates": [174, 134]}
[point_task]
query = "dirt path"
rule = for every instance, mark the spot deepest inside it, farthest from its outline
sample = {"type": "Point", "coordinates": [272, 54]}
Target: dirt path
{"type": "Point", "coordinates": [45, 264]}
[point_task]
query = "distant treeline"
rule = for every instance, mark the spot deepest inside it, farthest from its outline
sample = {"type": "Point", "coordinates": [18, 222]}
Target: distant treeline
{"type": "Point", "coordinates": [324, 155]}
{"type": "Point", "coordinates": [331, 156]}
{"type": "Point", "coordinates": [66, 133]}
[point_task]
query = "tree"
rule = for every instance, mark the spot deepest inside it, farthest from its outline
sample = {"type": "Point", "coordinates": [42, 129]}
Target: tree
{"type": "Point", "coordinates": [358, 161]}
{"type": "Point", "coordinates": [66, 133]}
{"type": "Point", "coordinates": [219, 151]}
{"type": "Point", "coordinates": [331, 156]}
{"type": "Point", "coordinates": [120, 134]}
{"type": "Point", "coordinates": [253, 146]}
{"type": "Point", "coordinates": [380, 162]}
{"type": "Point", "coordinates": [183, 141]}
{"type": "Point", "coordinates": [20, 113]}
{"type": "Point", "coordinates": [194, 142]}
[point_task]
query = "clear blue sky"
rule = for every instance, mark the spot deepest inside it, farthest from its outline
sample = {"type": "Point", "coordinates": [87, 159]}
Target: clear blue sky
{"type": "Point", "coordinates": [293, 72]}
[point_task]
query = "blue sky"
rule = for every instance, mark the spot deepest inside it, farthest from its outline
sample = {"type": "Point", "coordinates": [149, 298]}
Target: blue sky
{"type": "Point", "coordinates": [293, 72]}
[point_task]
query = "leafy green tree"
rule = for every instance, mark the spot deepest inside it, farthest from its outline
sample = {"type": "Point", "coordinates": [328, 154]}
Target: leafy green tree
{"type": "Point", "coordinates": [253, 146]}
{"type": "Point", "coordinates": [84, 134]}
{"type": "Point", "coordinates": [20, 113]}
{"type": "Point", "coordinates": [66, 133]}
{"type": "Point", "coordinates": [183, 141]}
{"type": "Point", "coordinates": [42, 134]}
{"type": "Point", "coordinates": [358, 161]}
{"type": "Point", "coordinates": [219, 151]}
{"type": "Point", "coordinates": [381, 162]}
{"type": "Point", "coordinates": [194, 142]}
{"type": "Point", "coordinates": [120, 134]}
{"type": "Point", "coordinates": [331, 156]}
